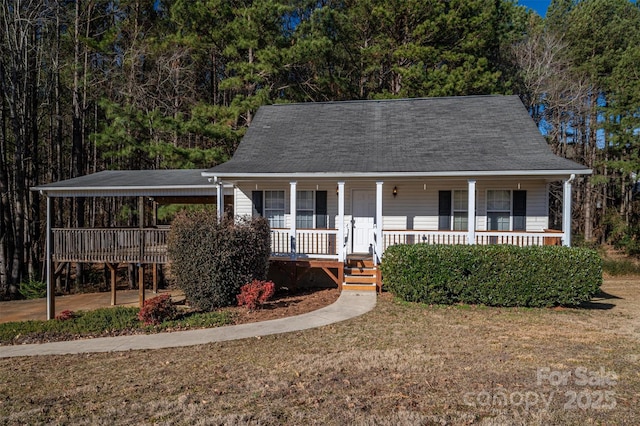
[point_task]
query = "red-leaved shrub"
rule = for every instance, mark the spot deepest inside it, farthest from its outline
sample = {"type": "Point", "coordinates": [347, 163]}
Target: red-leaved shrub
{"type": "Point", "coordinates": [156, 310]}
{"type": "Point", "coordinates": [65, 315]}
{"type": "Point", "coordinates": [255, 293]}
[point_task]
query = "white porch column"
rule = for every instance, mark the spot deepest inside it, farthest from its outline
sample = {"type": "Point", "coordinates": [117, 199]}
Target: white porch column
{"type": "Point", "coordinates": [471, 218]}
{"type": "Point", "coordinates": [51, 292]}
{"type": "Point", "coordinates": [340, 224]}
{"type": "Point", "coordinates": [566, 212]}
{"type": "Point", "coordinates": [379, 246]}
{"type": "Point", "coordinates": [292, 215]}
{"type": "Point", "coordinates": [220, 200]}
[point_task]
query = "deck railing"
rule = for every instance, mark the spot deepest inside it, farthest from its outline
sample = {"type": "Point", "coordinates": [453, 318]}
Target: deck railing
{"type": "Point", "coordinates": [391, 238]}
{"type": "Point", "coordinates": [112, 245]}
{"type": "Point", "coordinates": [149, 245]}
{"type": "Point", "coordinates": [481, 238]}
{"type": "Point", "coordinates": [319, 243]}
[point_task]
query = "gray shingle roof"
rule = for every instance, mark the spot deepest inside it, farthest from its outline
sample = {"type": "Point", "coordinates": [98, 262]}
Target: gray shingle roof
{"type": "Point", "coordinates": [451, 134]}
{"type": "Point", "coordinates": [133, 183]}
{"type": "Point", "coordinates": [134, 178]}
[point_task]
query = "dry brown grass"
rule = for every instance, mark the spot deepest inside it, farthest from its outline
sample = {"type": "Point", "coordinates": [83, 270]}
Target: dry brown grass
{"type": "Point", "coordinates": [399, 364]}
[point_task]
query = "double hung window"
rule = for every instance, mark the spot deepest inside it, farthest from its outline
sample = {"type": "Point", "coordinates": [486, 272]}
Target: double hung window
{"type": "Point", "coordinates": [453, 210]}
{"type": "Point", "coordinates": [506, 210]}
{"type": "Point", "coordinates": [305, 209]}
{"type": "Point", "coordinates": [311, 208]}
{"type": "Point", "coordinates": [274, 208]}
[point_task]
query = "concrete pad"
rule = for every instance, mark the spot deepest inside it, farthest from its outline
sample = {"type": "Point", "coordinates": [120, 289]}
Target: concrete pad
{"type": "Point", "coordinates": [350, 304]}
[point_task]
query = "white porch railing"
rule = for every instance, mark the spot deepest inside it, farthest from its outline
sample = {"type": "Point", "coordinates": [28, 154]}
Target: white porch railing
{"type": "Point", "coordinates": [322, 243]}
{"type": "Point", "coordinates": [391, 238]}
{"type": "Point", "coordinates": [481, 237]}
{"type": "Point", "coordinates": [521, 239]}
{"type": "Point", "coordinates": [318, 243]}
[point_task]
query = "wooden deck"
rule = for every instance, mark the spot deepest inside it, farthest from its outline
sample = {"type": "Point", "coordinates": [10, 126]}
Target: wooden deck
{"type": "Point", "coordinates": [110, 245]}
{"type": "Point", "coordinates": [317, 249]}
{"type": "Point", "coordinates": [149, 245]}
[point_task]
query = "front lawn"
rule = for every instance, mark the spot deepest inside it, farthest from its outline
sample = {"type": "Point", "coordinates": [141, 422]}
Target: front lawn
{"type": "Point", "coordinates": [402, 363]}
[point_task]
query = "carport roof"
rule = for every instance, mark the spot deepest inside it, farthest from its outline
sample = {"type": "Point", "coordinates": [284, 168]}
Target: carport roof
{"type": "Point", "coordinates": [132, 183]}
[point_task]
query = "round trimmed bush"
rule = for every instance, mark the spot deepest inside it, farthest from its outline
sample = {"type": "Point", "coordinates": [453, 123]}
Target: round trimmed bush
{"type": "Point", "coordinates": [211, 259]}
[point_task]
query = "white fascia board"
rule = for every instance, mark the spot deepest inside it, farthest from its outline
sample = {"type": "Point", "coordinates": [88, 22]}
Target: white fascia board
{"type": "Point", "coordinates": [339, 175]}
{"type": "Point", "coordinates": [133, 191]}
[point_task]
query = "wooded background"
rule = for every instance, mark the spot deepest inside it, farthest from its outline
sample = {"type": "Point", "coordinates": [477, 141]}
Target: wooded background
{"type": "Point", "coordinates": [151, 84]}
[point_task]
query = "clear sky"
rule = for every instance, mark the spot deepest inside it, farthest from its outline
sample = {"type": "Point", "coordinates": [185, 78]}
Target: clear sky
{"type": "Point", "coordinates": [539, 6]}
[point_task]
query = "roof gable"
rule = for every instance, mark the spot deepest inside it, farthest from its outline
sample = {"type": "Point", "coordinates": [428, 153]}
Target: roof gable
{"type": "Point", "coordinates": [451, 134]}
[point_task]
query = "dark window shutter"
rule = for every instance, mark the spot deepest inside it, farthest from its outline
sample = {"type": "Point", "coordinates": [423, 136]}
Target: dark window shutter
{"type": "Point", "coordinates": [519, 210]}
{"type": "Point", "coordinates": [256, 198]}
{"type": "Point", "coordinates": [444, 210]}
{"type": "Point", "coordinates": [321, 209]}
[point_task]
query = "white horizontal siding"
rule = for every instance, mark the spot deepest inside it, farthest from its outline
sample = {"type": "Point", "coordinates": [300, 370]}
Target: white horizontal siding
{"type": "Point", "coordinates": [537, 209]}
{"type": "Point", "coordinates": [415, 205]}
{"type": "Point", "coordinates": [242, 204]}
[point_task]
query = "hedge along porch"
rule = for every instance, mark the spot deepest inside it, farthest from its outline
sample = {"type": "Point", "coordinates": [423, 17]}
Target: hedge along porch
{"type": "Point", "coordinates": [344, 180]}
{"type": "Point", "coordinates": [140, 246]}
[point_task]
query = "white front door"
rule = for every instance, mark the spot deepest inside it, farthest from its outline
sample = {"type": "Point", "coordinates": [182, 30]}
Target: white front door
{"type": "Point", "coordinates": [364, 212]}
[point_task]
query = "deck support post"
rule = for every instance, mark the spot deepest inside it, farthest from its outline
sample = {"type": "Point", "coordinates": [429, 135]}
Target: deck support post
{"type": "Point", "coordinates": [51, 293]}
{"type": "Point", "coordinates": [471, 218]}
{"type": "Point", "coordinates": [292, 215]}
{"type": "Point", "coordinates": [141, 259]}
{"type": "Point", "coordinates": [141, 285]}
{"type": "Point", "coordinates": [220, 200]}
{"type": "Point", "coordinates": [154, 272]}
{"type": "Point", "coordinates": [378, 229]}
{"type": "Point", "coordinates": [340, 224]}
{"type": "Point", "coordinates": [566, 212]}
{"type": "Point", "coordinates": [113, 269]}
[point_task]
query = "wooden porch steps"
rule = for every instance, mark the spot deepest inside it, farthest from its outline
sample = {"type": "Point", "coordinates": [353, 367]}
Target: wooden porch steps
{"type": "Point", "coordinates": [359, 287]}
{"type": "Point", "coordinates": [360, 274]}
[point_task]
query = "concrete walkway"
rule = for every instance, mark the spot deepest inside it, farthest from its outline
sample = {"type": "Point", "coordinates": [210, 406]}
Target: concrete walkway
{"type": "Point", "coordinates": [350, 304]}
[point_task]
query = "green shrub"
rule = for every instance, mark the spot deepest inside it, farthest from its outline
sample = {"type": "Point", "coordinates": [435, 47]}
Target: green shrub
{"type": "Point", "coordinates": [211, 260]}
{"type": "Point", "coordinates": [33, 289]}
{"type": "Point", "coordinates": [496, 275]}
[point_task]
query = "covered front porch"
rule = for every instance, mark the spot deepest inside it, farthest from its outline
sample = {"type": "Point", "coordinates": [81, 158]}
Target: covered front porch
{"type": "Point", "coordinates": [322, 223]}
{"type": "Point", "coordinates": [321, 219]}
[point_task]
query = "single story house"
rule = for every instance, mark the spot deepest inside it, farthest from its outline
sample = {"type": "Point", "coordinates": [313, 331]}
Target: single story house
{"type": "Point", "coordinates": [339, 182]}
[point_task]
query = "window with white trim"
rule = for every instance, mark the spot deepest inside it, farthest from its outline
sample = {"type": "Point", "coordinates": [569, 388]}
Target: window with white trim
{"type": "Point", "coordinates": [453, 210]}
{"type": "Point", "coordinates": [498, 210]}
{"type": "Point", "coordinates": [274, 208]}
{"type": "Point", "coordinates": [460, 210]}
{"type": "Point", "coordinates": [305, 209]}
{"type": "Point", "coordinates": [311, 208]}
